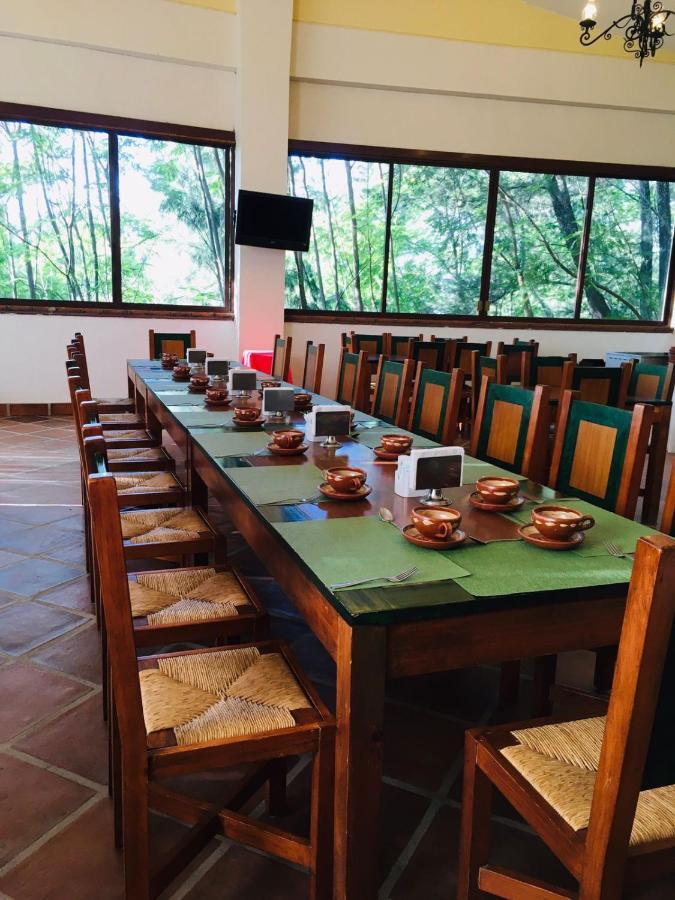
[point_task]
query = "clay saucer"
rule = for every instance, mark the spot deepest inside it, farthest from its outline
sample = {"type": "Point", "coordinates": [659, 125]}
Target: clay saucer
{"type": "Point", "coordinates": [381, 453]}
{"type": "Point", "coordinates": [476, 499]}
{"type": "Point", "coordinates": [530, 534]}
{"type": "Point", "coordinates": [181, 377]}
{"type": "Point", "coordinates": [216, 404]}
{"type": "Point", "coordinates": [196, 389]}
{"type": "Point", "coordinates": [247, 423]}
{"type": "Point", "coordinates": [328, 491]}
{"type": "Point", "coordinates": [410, 533]}
{"type": "Point", "coordinates": [287, 451]}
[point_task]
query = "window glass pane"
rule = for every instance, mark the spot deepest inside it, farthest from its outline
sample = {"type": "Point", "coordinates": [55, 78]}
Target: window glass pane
{"type": "Point", "coordinates": [437, 235]}
{"type": "Point", "coordinates": [343, 268]}
{"type": "Point", "coordinates": [172, 222]}
{"type": "Point", "coordinates": [540, 220]}
{"type": "Point", "coordinates": [54, 214]}
{"type": "Point", "coordinates": [629, 249]}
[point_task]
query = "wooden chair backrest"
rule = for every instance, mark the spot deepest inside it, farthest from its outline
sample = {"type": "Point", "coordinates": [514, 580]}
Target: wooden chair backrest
{"type": "Point", "coordinates": [544, 369]}
{"type": "Point", "coordinates": [168, 342]}
{"type": "Point", "coordinates": [313, 369]}
{"type": "Point", "coordinates": [649, 382]}
{"type": "Point", "coordinates": [464, 351]}
{"type": "Point", "coordinates": [401, 344]}
{"type": "Point", "coordinates": [281, 357]}
{"type": "Point", "coordinates": [599, 452]}
{"type": "Point", "coordinates": [353, 385]}
{"type": "Point", "coordinates": [637, 750]}
{"type": "Point", "coordinates": [107, 538]}
{"type": "Point", "coordinates": [373, 344]}
{"type": "Point", "coordinates": [436, 402]}
{"type": "Point", "coordinates": [494, 369]}
{"type": "Point", "coordinates": [515, 353]}
{"type": "Point", "coordinates": [435, 354]}
{"type": "Point", "coordinates": [668, 519]}
{"type": "Point", "coordinates": [598, 384]}
{"type": "Point", "coordinates": [511, 428]}
{"type": "Point", "coordinates": [393, 387]}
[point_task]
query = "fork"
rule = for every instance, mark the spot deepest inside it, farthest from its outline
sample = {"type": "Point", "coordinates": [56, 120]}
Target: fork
{"type": "Point", "coordinates": [392, 579]}
{"type": "Point", "coordinates": [616, 551]}
{"type": "Point", "coordinates": [293, 501]}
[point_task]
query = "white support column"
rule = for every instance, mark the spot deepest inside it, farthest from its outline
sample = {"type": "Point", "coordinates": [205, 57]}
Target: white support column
{"type": "Point", "coordinates": [265, 31]}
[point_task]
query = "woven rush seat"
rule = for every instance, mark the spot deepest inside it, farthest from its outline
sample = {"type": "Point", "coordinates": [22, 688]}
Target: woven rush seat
{"type": "Point", "coordinates": [143, 482]}
{"type": "Point", "coordinates": [134, 454]}
{"type": "Point", "coordinates": [126, 402]}
{"type": "Point", "coordinates": [135, 434]}
{"type": "Point", "coordinates": [129, 418]}
{"type": "Point", "coordinates": [561, 762]}
{"type": "Point", "coordinates": [160, 525]}
{"type": "Point", "coordinates": [177, 597]}
{"type": "Point", "coordinates": [215, 695]}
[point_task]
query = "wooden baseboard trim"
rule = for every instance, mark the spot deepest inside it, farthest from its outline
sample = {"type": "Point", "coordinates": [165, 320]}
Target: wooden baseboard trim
{"type": "Point", "coordinates": [35, 409]}
{"type": "Point", "coordinates": [60, 409]}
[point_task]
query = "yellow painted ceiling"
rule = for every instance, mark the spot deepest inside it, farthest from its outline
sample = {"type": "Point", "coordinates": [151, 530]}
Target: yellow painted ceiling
{"type": "Point", "coordinates": [510, 23]}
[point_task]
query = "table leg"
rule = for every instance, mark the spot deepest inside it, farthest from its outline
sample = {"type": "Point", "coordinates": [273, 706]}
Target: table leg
{"type": "Point", "coordinates": [655, 468]}
{"type": "Point", "coordinates": [361, 663]}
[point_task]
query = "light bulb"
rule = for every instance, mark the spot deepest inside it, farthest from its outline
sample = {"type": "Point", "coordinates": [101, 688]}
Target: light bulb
{"type": "Point", "coordinates": [658, 21]}
{"type": "Point", "coordinates": [590, 13]}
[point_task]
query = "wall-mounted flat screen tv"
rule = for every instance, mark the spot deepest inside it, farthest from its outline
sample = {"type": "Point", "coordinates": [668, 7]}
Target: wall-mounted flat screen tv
{"type": "Point", "coordinates": [273, 220]}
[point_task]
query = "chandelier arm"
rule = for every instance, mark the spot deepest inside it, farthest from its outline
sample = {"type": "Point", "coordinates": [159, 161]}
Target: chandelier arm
{"type": "Point", "coordinates": [621, 23]}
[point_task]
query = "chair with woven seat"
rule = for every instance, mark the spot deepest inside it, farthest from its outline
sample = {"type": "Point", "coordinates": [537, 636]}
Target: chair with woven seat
{"type": "Point", "coordinates": [353, 382]}
{"type": "Point", "coordinates": [464, 349]}
{"type": "Point", "coordinates": [85, 411]}
{"type": "Point", "coordinates": [312, 370]}
{"type": "Point", "coordinates": [598, 384]}
{"type": "Point", "coordinates": [372, 344]}
{"type": "Point", "coordinates": [599, 792]}
{"type": "Point", "coordinates": [667, 525]}
{"type": "Point", "coordinates": [281, 357]}
{"type": "Point", "coordinates": [484, 367]}
{"type": "Point", "coordinates": [138, 488]}
{"type": "Point", "coordinates": [511, 428]}
{"type": "Point", "coordinates": [434, 354]}
{"type": "Point", "coordinates": [78, 355]}
{"type": "Point", "coordinates": [400, 345]}
{"type": "Point", "coordinates": [544, 370]}
{"type": "Point", "coordinates": [435, 405]}
{"type": "Point", "coordinates": [393, 389]}
{"type": "Point", "coordinates": [515, 354]}
{"type": "Point", "coordinates": [198, 711]}
{"type": "Point", "coordinates": [177, 344]}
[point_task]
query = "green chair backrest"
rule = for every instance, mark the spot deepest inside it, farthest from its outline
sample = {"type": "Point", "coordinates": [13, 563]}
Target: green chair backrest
{"type": "Point", "coordinates": [504, 426]}
{"type": "Point", "coordinates": [432, 396]}
{"type": "Point", "coordinates": [548, 370]}
{"type": "Point", "coordinates": [388, 391]}
{"type": "Point", "coordinates": [399, 344]}
{"type": "Point", "coordinates": [372, 343]}
{"type": "Point", "coordinates": [431, 353]}
{"type": "Point", "coordinates": [597, 385]}
{"type": "Point", "coordinates": [347, 378]}
{"type": "Point", "coordinates": [169, 342]}
{"type": "Point", "coordinates": [649, 382]}
{"type": "Point", "coordinates": [464, 350]}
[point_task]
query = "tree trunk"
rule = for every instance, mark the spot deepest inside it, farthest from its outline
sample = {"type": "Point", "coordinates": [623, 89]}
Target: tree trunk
{"type": "Point", "coordinates": [317, 257]}
{"type": "Point", "coordinates": [331, 233]}
{"type": "Point", "coordinates": [355, 236]}
{"type": "Point", "coordinates": [18, 186]}
{"type": "Point", "coordinates": [646, 247]}
{"type": "Point", "coordinates": [665, 230]}
{"type": "Point", "coordinates": [299, 262]}
{"type": "Point", "coordinates": [517, 263]}
{"type": "Point", "coordinates": [392, 256]}
{"type": "Point", "coordinates": [214, 243]}
{"type": "Point", "coordinates": [90, 220]}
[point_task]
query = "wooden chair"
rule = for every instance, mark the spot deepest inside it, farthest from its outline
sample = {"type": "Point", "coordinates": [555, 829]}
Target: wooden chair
{"type": "Point", "coordinates": [393, 388]}
{"type": "Point", "coordinates": [194, 711]}
{"type": "Point", "coordinates": [116, 438]}
{"type": "Point", "coordinates": [353, 384]}
{"type": "Point", "coordinates": [668, 519]}
{"type": "Point", "coordinates": [484, 367]}
{"type": "Point", "coordinates": [511, 428]}
{"type": "Point", "coordinates": [434, 354]}
{"type": "Point", "coordinates": [168, 342]}
{"type": "Point", "coordinates": [400, 345]}
{"type": "Point", "coordinates": [544, 370]}
{"type": "Point", "coordinates": [281, 357]}
{"type": "Point", "coordinates": [599, 792]}
{"type": "Point", "coordinates": [77, 357]}
{"type": "Point", "coordinates": [596, 384]}
{"type": "Point", "coordinates": [372, 344]}
{"type": "Point", "coordinates": [599, 453]}
{"type": "Point", "coordinates": [653, 385]}
{"type": "Point", "coordinates": [435, 406]}
{"type": "Point", "coordinates": [313, 369]}
{"type": "Point", "coordinates": [515, 354]}
{"type": "Point", "coordinates": [464, 349]}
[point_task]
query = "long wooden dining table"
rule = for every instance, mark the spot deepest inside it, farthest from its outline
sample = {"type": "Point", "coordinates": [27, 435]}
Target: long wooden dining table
{"type": "Point", "coordinates": [493, 599]}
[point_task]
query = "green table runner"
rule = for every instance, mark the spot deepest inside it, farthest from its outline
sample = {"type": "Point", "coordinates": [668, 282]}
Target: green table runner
{"type": "Point", "coordinates": [347, 549]}
{"type": "Point", "coordinates": [476, 468]}
{"type": "Point", "coordinates": [193, 418]}
{"type": "Point", "coordinates": [270, 485]}
{"type": "Point", "coordinates": [608, 527]}
{"type": "Point", "coordinates": [232, 443]}
{"type": "Point", "coordinates": [372, 437]}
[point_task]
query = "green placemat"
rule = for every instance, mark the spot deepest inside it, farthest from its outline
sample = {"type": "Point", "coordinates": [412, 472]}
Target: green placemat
{"type": "Point", "coordinates": [270, 485]}
{"type": "Point", "coordinates": [232, 443]}
{"type": "Point", "coordinates": [347, 549]}
{"type": "Point", "coordinates": [608, 527]}
{"type": "Point", "coordinates": [372, 437]}
{"type": "Point", "coordinates": [476, 468]}
{"type": "Point", "coordinates": [194, 418]}
{"type": "Point", "coordinates": [179, 398]}
{"type": "Point", "coordinates": [502, 568]}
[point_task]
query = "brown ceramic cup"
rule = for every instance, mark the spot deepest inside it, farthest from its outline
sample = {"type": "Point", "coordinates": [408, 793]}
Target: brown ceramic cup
{"type": "Point", "coordinates": [200, 381]}
{"type": "Point", "coordinates": [217, 394]}
{"type": "Point", "coordinates": [182, 369]}
{"type": "Point", "coordinates": [289, 440]}
{"type": "Point", "coordinates": [436, 522]}
{"type": "Point", "coordinates": [169, 360]}
{"type": "Point", "coordinates": [345, 480]}
{"type": "Point", "coordinates": [396, 443]}
{"type": "Point", "coordinates": [495, 489]}
{"type": "Point", "coordinates": [246, 413]}
{"type": "Point", "coordinates": [302, 400]}
{"type": "Point", "coordinates": [560, 522]}
{"type": "Point", "coordinates": [269, 384]}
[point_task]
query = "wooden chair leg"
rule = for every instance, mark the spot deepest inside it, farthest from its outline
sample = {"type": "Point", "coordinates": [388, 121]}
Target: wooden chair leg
{"type": "Point", "coordinates": [509, 682]}
{"type": "Point", "coordinates": [544, 679]}
{"type": "Point", "coordinates": [135, 833]}
{"type": "Point", "coordinates": [116, 776]}
{"type": "Point", "coordinates": [276, 788]}
{"type": "Point", "coordinates": [321, 824]}
{"type": "Point", "coordinates": [475, 830]}
{"type": "Point", "coordinates": [605, 659]}
{"type": "Point", "coordinates": [105, 672]}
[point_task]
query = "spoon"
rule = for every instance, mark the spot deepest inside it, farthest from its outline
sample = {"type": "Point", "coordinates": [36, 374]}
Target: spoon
{"type": "Point", "coordinates": [386, 515]}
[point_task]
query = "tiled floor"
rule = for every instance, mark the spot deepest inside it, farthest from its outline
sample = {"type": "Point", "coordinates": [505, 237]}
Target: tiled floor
{"type": "Point", "coordinates": [55, 815]}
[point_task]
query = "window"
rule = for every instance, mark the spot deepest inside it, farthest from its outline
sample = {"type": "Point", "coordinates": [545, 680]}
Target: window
{"type": "Point", "coordinates": [93, 216]}
{"type": "Point", "coordinates": [435, 236]}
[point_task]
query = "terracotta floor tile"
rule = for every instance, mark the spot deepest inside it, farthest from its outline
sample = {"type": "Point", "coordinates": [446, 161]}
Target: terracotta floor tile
{"type": "Point", "coordinates": [74, 595]}
{"type": "Point", "coordinates": [419, 747]}
{"type": "Point", "coordinates": [76, 741]}
{"type": "Point", "coordinates": [33, 801]}
{"type": "Point", "coordinates": [32, 576]}
{"type": "Point", "coordinates": [28, 694]}
{"type": "Point", "coordinates": [78, 654]}
{"type": "Point", "coordinates": [241, 874]}
{"type": "Point", "coordinates": [25, 626]}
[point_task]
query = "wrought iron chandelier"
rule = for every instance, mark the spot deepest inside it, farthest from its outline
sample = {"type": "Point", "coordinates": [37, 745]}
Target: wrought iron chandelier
{"type": "Point", "coordinates": [644, 27]}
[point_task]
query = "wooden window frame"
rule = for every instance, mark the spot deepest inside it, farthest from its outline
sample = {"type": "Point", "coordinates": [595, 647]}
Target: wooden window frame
{"type": "Point", "coordinates": [493, 165]}
{"type": "Point", "coordinates": [115, 127]}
